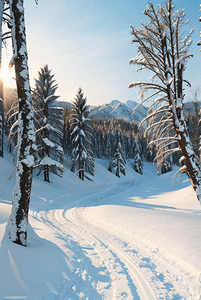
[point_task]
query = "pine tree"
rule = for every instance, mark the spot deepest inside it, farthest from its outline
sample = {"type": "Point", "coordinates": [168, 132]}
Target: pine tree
{"type": "Point", "coordinates": [116, 154]}
{"type": "Point", "coordinates": [117, 160]}
{"type": "Point", "coordinates": [66, 132]}
{"type": "Point", "coordinates": [138, 163]}
{"type": "Point", "coordinates": [49, 124]}
{"type": "Point", "coordinates": [81, 136]}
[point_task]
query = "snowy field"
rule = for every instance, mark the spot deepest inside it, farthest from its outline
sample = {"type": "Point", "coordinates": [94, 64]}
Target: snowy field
{"type": "Point", "coordinates": [134, 237]}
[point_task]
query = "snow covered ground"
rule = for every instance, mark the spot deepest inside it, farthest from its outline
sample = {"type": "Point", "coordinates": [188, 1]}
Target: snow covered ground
{"type": "Point", "coordinates": [134, 237]}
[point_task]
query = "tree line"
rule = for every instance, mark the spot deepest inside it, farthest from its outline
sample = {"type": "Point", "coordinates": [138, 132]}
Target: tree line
{"type": "Point", "coordinates": [72, 132]}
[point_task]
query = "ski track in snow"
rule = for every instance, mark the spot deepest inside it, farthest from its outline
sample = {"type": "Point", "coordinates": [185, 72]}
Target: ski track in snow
{"type": "Point", "coordinates": [112, 266]}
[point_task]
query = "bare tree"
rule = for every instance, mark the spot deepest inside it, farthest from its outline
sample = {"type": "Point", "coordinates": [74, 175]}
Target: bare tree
{"type": "Point", "coordinates": [163, 51]}
{"type": "Point", "coordinates": [18, 221]}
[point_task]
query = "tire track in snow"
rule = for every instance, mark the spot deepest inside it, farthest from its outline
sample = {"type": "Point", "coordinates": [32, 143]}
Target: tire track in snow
{"type": "Point", "coordinates": [134, 276]}
{"type": "Point", "coordinates": [119, 288]}
{"type": "Point", "coordinates": [157, 269]}
{"type": "Point", "coordinates": [71, 224]}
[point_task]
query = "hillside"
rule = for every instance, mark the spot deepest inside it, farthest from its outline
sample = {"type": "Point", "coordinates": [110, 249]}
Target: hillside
{"type": "Point", "coordinates": [134, 237]}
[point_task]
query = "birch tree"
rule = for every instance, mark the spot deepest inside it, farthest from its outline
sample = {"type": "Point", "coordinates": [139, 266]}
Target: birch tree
{"type": "Point", "coordinates": [164, 52]}
{"type": "Point", "coordinates": [18, 221]}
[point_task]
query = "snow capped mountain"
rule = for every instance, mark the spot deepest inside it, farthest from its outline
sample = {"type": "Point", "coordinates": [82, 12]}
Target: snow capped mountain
{"type": "Point", "coordinates": [118, 109]}
{"type": "Point", "coordinates": [114, 109]}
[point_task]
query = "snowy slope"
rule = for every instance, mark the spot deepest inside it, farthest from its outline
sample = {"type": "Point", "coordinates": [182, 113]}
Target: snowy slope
{"type": "Point", "coordinates": [136, 237]}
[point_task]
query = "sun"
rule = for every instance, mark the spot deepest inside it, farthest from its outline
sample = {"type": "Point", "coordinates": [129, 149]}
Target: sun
{"type": "Point", "coordinates": [7, 76]}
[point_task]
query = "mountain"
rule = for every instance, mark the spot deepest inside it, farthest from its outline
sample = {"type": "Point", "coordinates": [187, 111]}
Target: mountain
{"type": "Point", "coordinates": [63, 104]}
{"type": "Point", "coordinates": [114, 109]}
{"type": "Point", "coordinates": [118, 109]}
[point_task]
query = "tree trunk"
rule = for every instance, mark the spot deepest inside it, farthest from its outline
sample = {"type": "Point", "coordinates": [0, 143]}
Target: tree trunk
{"type": "Point", "coordinates": [2, 3]}
{"type": "Point", "coordinates": [46, 173]}
{"type": "Point", "coordinates": [118, 168]}
{"type": "Point", "coordinates": [1, 118]}
{"type": "Point", "coordinates": [18, 222]}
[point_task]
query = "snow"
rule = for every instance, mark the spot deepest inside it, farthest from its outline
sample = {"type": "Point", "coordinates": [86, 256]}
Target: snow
{"type": "Point", "coordinates": [50, 162]}
{"type": "Point", "coordinates": [118, 109]}
{"type": "Point", "coordinates": [134, 237]}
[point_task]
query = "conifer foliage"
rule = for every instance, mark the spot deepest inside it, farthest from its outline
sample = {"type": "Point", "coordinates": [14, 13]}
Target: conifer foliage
{"type": "Point", "coordinates": [138, 162]}
{"type": "Point", "coordinates": [117, 160]}
{"type": "Point", "coordinates": [81, 135]}
{"type": "Point", "coordinates": [48, 124]}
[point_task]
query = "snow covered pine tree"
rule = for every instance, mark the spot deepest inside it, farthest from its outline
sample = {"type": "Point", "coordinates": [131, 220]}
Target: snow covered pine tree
{"type": "Point", "coordinates": [117, 160]}
{"type": "Point", "coordinates": [18, 221]}
{"type": "Point", "coordinates": [138, 163]}
{"type": "Point", "coordinates": [162, 51]}
{"type": "Point", "coordinates": [49, 125]}
{"type": "Point", "coordinates": [81, 135]}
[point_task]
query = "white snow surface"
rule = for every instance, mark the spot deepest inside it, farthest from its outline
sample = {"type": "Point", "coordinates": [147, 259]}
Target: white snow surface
{"type": "Point", "coordinates": [134, 237]}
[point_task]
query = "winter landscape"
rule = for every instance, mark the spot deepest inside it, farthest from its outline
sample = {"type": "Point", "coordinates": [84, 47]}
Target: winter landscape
{"type": "Point", "coordinates": [99, 199]}
{"type": "Point", "coordinates": [134, 237]}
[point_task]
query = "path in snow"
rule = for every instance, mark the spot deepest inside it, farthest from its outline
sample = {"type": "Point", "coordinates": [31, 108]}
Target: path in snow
{"type": "Point", "coordinates": [112, 265]}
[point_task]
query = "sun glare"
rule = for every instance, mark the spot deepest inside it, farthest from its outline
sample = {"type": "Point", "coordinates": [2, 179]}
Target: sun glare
{"type": "Point", "coordinates": [7, 76]}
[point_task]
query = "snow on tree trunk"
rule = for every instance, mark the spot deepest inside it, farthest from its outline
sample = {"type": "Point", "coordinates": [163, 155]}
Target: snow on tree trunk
{"type": "Point", "coordinates": [2, 3]}
{"type": "Point", "coordinates": [18, 221]}
{"type": "Point", "coordinates": [166, 58]}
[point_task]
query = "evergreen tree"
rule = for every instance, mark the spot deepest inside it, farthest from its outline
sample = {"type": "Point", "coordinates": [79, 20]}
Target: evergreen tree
{"type": "Point", "coordinates": [138, 163]}
{"type": "Point", "coordinates": [49, 124]}
{"type": "Point", "coordinates": [66, 132]}
{"type": "Point", "coordinates": [81, 136]}
{"type": "Point", "coordinates": [110, 150]}
{"type": "Point", "coordinates": [117, 160]}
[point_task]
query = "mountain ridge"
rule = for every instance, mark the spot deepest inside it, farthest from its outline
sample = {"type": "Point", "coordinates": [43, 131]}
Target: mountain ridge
{"type": "Point", "coordinates": [115, 109]}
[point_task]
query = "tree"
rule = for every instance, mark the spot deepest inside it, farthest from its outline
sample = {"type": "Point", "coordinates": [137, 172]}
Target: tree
{"type": "Point", "coordinates": [117, 161]}
{"type": "Point", "coordinates": [81, 134]}
{"type": "Point", "coordinates": [192, 117]}
{"type": "Point", "coordinates": [49, 124]}
{"type": "Point", "coordinates": [18, 221]}
{"type": "Point", "coordinates": [12, 124]}
{"type": "Point", "coordinates": [163, 52]}
{"type": "Point", "coordinates": [138, 163]}
{"type": "Point", "coordinates": [2, 3]}
{"type": "Point", "coordinates": [66, 132]}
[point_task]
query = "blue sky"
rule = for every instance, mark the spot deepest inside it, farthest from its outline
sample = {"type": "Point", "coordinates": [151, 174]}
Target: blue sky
{"type": "Point", "coordinates": [87, 43]}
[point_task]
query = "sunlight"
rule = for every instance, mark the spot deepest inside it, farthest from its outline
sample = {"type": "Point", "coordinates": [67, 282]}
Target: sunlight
{"type": "Point", "coordinates": [7, 76]}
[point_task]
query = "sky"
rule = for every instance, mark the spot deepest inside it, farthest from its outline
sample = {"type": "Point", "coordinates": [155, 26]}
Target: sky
{"type": "Point", "coordinates": [87, 44]}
